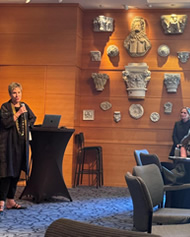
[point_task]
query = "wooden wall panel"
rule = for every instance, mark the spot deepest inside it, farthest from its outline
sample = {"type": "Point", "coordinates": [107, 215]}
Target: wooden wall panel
{"type": "Point", "coordinates": [32, 80]}
{"type": "Point", "coordinates": [61, 80]}
{"type": "Point", "coordinates": [47, 49]}
{"type": "Point", "coordinates": [119, 140]}
{"type": "Point", "coordinates": [41, 48]}
{"type": "Point", "coordinates": [38, 35]}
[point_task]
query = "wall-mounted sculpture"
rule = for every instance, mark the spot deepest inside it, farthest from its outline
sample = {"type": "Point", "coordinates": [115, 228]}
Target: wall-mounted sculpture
{"type": "Point", "coordinates": [171, 81]}
{"type": "Point", "coordinates": [173, 24]}
{"type": "Point", "coordinates": [95, 56]}
{"type": "Point", "coordinates": [105, 105]}
{"type": "Point", "coordinates": [137, 43]}
{"type": "Point", "coordinates": [136, 77]}
{"type": "Point", "coordinates": [112, 51]}
{"type": "Point", "coordinates": [88, 114]}
{"type": "Point", "coordinates": [163, 50]}
{"type": "Point", "coordinates": [136, 111]}
{"type": "Point", "coordinates": [183, 56]}
{"type": "Point", "coordinates": [103, 24]}
{"type": "Point", "coordinates": [154, 117]}
{"type": "Point", "coordinates": [117, 116]}
{"type": "Point", "coordinates": [168, 107]}
{"type": "Point", "coordinates": [100, 80]}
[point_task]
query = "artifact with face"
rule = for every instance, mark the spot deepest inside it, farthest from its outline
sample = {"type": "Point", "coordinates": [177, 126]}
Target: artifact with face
{"type": "Point", "coordinates": [117, 116]}
{"type": "Point", "coordinates": [137, 43]}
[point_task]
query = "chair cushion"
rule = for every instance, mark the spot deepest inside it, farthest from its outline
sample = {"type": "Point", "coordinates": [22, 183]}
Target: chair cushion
{"type": "Point", "coordinates": [171, 216]}
{"type": "Point", "coordinates": [172, 230]}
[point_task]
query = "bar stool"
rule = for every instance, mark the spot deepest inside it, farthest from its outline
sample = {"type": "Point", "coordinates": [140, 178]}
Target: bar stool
{"type": "Point", "coordinates": [83, 158]}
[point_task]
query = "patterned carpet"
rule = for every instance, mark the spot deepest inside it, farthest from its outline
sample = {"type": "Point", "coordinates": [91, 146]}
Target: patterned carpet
{"type": "Point", "coordinates": [106, 206]}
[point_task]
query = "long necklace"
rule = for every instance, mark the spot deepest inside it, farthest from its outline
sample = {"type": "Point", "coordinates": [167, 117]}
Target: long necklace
{"type": "Point", "coordinates": [20, 129]}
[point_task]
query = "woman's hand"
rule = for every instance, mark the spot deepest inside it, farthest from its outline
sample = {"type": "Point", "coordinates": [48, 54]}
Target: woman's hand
{"type": "Point", "coordinates": [22, 110]}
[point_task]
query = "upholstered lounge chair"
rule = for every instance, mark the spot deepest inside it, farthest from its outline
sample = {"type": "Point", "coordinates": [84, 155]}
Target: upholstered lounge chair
{"type": "Point", "coordinates": [137, 155]}
{"type": "Point", "coordinates": [146, 194]}
{"type": "Point", "coordinates": [153, 159]}
{"type": "Point", "coordinates": [70, 228]}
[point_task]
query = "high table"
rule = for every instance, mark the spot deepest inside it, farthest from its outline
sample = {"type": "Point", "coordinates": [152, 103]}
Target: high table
{"type": "Point", "coordinates": [181, 198]}
{"type": "Point", "coordinates": [48, 146]}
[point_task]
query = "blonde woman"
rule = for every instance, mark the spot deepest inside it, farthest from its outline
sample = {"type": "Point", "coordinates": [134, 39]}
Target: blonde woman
{"type": "Point", "coordinates": [16, 120]}
{"type": "Point", "coordinates": [181, 129]}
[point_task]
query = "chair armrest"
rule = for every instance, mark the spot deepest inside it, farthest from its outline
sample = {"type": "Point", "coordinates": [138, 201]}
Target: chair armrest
{"type": "Point", "coordinates": [176, 187]}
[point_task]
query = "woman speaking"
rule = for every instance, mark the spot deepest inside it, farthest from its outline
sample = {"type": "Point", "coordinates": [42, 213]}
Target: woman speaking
{"type": "Point", "coordinates": [16, 120]}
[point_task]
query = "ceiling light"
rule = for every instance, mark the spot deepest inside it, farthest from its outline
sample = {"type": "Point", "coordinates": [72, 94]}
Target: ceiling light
{"type": "Point", "coordinates": [27, 1]}
{"type": "Point", "coordinates": [60, 1]}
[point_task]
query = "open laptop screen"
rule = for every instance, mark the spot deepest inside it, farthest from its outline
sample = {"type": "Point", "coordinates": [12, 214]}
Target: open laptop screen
{"type": "Point", "coordinates": [51, 121]}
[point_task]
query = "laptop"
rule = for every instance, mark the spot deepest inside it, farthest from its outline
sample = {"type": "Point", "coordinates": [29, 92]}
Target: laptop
{"type": "Point", "coordinates": [51, 121]}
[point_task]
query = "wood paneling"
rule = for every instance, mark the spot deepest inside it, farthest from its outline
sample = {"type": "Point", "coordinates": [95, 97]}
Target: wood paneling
{"type": "Point", "coordinates": [119, 140]}
{"type": "Point", "coordinates": [38, 35]}
{"type": "Point", "coordinates": [40, 48]}
{"type": "Point", "coordinates": [47, 49]}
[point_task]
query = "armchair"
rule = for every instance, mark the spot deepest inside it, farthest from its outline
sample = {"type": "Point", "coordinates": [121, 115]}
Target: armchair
{"type": "Point", "coordinates": [146, 195]}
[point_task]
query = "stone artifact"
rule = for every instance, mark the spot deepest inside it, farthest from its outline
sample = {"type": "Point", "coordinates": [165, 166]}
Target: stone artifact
{"type": "Point", "coordinates": [103, 24]}
{"type": "Point", "coordinates": [171, 81]}
{"type": "Point", "coordinates": [173, 24]}
{"type": "Point", "coordinates": [136, 111]}
{"type": "Point", "coordinates": [168, 107]}
{"type": "Point", "coordinates": [183, 56]}
{"type": "Point", "coordinates": [100, 80]}
{"type": "Point", "coordinates": [117, 116]}
{"type": "Point", "coordinates": [95, 56]}
{"type": "Point", "coordinates": [105, 105]}
{"type": "Point", "coordinates": [154, 117]}
{"type": "Point", "coordinates": [163, 50]}
{"type": "Point", "coordinates": [136, 77]}
{"type": "Point", "coordinates": [137, 43]}
{"type": "Point", "coordinates": [112, 51]}
{"type": "Point", "coordinates": [88, 114]}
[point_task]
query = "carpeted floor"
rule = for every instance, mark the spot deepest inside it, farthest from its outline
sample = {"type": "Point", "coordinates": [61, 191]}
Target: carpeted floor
{"type": "Point", "coordinates": [106, 206]}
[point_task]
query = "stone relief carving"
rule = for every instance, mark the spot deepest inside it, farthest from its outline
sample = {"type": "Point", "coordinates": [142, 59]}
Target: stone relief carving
{"type": "Point", "coordinates": [154, 117]}
{"type": "Point", "coordinates": [100, 80]}
{"type": "Point", "coordinates": [136, 111]}
{"type": "Point", "coordinates": [171, 81]}
{"type": "Point", "coordinates": [168, 107]}
{"type": "Point", "coordinates": [103, 24]}
{"type": "Point", "coordinates": [112, 51]}
{"type": "Point", "coordinates": [136, 77]}
{"type": "Point", "coordinates": [137, 43]}
{"type": "Point", "coordinates": [95, 56]}
{"type": "Point", "coordinates": [163, 50]}
{"type": "Point", "coordinates": [173, 24]}
{"type": "Point", "coordinates": [105, 105]}
{"type": "Point", "coordinates": [183, 56]}
{"type": "Point", "coordinates": [117, 116]}
{"type": "Point", "coordinates": [88, 114]}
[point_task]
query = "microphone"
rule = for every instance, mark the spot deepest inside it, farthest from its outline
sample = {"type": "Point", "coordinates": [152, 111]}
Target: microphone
{"type": "Point", "coordinates": [24, 114]}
